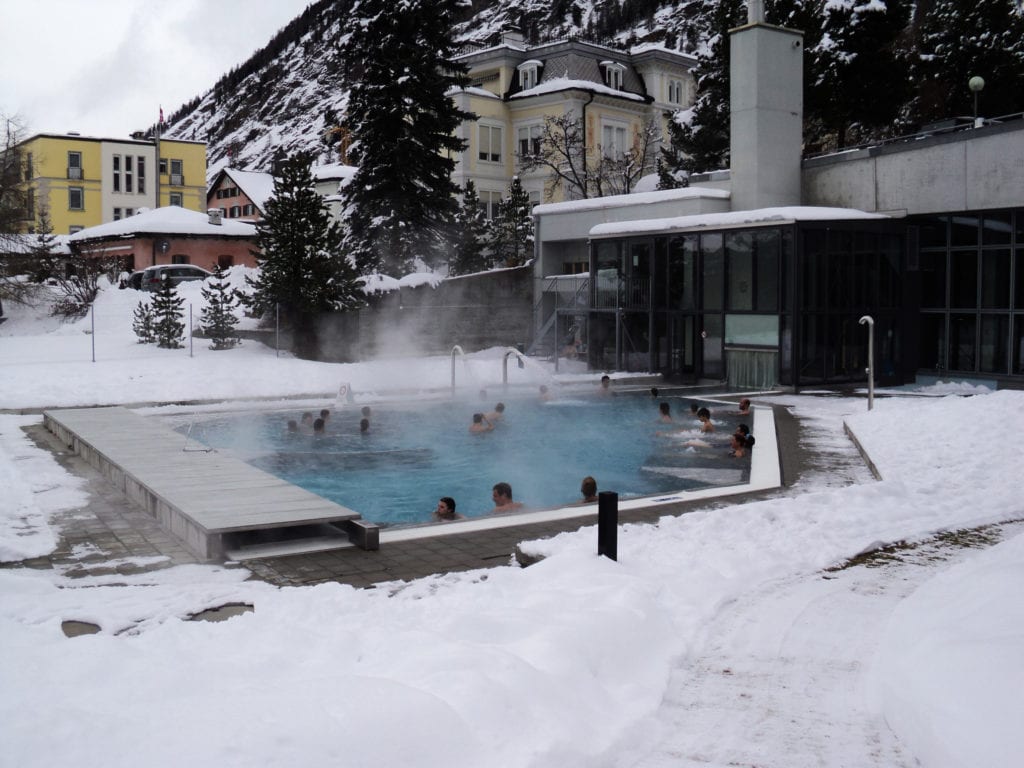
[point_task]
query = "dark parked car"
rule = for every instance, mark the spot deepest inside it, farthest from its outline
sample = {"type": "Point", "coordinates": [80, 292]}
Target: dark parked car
{"type": "Point", "coordinates": [152, 277]}
{"type": "Point", "coordinates": [134, 280]}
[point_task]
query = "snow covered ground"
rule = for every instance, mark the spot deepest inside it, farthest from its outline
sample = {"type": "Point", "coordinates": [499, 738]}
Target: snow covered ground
{"type": "Point", "coordinates": [725, 637]}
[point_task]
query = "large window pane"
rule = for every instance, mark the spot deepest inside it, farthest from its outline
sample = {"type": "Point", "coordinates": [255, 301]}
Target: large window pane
{"type": "Point", "coordinates": [931, 342]}
{"type": "Point", "coordinates": [996, 229]}
{"type": "Point", "coordinates": [714, 270]}
{"type": "Point", "coordinates": [767, 247]}
{"type": "Point", "coordinates": [682, 261]}
{"type": "Point", "coordinates": [740, 270]}
{"type": "Point", "coordinates": [1018, 345]}
{"type": "Point", "coordinates": [964, 280]}
{"type": "Point", "coordinates": [889, 286]}
{"type": "Point", "coordinates": [933, 280]}
{"type": "Point", "coordinates": [995, 279]}
{"type": "Point", "coordinates": [714, 366]}
{"type": "Point", "coordinates": [962, 342]}
{"type": "Point", "coordinates": [994, 338]}
{"type": "Point", "coordinates": [812, 270]}
{"type": "Point", "coordinates": [932, 232]}
{"type": "Point", "coordinates": [1018, 291]}
{"type": "Point", "coordinates": [811, 362]}
{"type": "Point", "coordinates": [963, 230]}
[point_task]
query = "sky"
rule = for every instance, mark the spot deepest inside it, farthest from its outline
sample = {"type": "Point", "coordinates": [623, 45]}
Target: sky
{"type": "Point", "coordinates": [720, 637]}
{"type": "Point", "coordinates": [105, 67]}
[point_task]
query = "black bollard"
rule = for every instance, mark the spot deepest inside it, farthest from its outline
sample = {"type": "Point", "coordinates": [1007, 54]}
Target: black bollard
{"type": "Point", "coordinates": [608, 524]}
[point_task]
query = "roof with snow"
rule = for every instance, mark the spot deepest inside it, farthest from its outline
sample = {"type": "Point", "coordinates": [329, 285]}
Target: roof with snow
{"type": "Point", "coordinates": [170, 220]}
{"type": "Point", "coordinates": [332, 171]}
{"type": "Point", "coordinates": [256, 185]}
{"type": "Point", "coordinates": [23, 244]}
{"type": "Point", "coordinates": [637, 198]}
{"type": "Point", "coordinates": [760, 216]}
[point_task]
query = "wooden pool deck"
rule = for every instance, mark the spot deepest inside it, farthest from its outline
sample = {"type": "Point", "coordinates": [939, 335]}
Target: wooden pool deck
{"type": "Point", "coordinates": [209, 500]}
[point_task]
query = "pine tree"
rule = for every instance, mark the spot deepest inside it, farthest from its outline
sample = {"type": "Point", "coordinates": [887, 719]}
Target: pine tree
{"type": "Point", "coordinates": [957, 40]}
{"type": "Point", "coordinates": [701, 141]}
{"type": "Point", "coordinates": [143, 324]}
{"type": "Point", "coordinates": [303, 270]}
{"type": "Point", "coordinates": [168, 310]}
{"type": "Point", "coordinates": [218, 318]}
{"type": "Point", "coordinates": [470, 245]}
{"type": "Point", "coordinates": [402, 201]}
{"type": "Point", "coordinates": [512, 243]}
{"type": "Point", "coordinates": [859, 48]}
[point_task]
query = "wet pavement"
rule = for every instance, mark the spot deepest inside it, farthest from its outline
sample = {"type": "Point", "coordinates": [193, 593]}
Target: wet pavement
{"type": "Point", "coordinates": [111, 535]}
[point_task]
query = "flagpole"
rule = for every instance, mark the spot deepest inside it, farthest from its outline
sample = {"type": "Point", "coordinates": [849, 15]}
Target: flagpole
{"type": "Point", "coordinates": [159, 125]}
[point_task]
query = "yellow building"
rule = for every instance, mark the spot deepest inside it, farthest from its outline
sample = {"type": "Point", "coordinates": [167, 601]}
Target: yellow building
{"type": "Point", "coordinates": [81, 181]}
{"type": "Point", "coordinates": [514, 87]}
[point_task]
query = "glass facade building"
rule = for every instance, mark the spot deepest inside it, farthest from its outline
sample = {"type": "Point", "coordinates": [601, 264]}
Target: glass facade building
{"type": "Point", "coordinates": [758, 305]}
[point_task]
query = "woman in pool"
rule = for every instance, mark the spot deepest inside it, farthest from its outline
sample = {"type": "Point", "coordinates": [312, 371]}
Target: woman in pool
{"type": "Point", "coordinates": [445, 511]}
{"type": "Point", "coordinates": [737, 446]}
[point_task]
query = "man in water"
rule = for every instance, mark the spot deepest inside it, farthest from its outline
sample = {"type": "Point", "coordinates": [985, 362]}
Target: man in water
{"type": "Point", "coordinates": [496, 415]}
{"type": "Point", "coordinates": [446, 510]}
{"type": "Point", "coordinates": [501, 494]}
{"type": "Point", "coordinates": [606, 385]}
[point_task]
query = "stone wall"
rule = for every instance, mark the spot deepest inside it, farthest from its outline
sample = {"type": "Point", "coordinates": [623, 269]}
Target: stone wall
{"type": "Point", "coordinates": [475, 312]}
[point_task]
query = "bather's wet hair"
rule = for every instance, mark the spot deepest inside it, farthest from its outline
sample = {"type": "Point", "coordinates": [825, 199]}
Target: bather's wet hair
{"type": "Point", "coordinates": [703, 413]}
{"type": "Point", "coordinates": [664, 408]}
{"type": "Point", "coordinates": [503, 489]}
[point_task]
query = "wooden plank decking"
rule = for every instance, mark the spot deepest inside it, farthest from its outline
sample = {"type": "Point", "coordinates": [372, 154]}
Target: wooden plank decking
{"type": "Point", "coordinates": [199, 496]}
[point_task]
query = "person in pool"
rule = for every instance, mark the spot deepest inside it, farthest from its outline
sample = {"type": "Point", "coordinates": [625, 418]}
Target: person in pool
{"type": "Point", "coordinates": [319, 427]}
{"type": "Point", "coordinates": [737, 446]}
{"type": "Point", "coordinates": [501, 495]}
{"type": "Point", "coordinates": [704, 416]}
{"type": "Point", "coordinates": [606, 386]}
{"type": "Point", "coordinates": [744, 407]}
{"type": "Point", "coordinates": [306, 425]}
{"type": "Point", "coordinates": [480, 424]}
{"type": "Point", "coordinates": [589, 490]}
{"type": "Point", "coordinates": [496, 415]}
{"type": "Point", "coordinates": [665, 413]}
{"type": "Point", "coordinates": [445, 511]}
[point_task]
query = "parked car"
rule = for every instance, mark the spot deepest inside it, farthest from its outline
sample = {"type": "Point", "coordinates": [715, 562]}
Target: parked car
{"type": "Point", "coordinates": [152, 277]}
{"type": "Point", "coordinates": [134, 280]}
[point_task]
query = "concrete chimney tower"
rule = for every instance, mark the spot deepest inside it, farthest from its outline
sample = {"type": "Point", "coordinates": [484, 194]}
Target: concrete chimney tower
{"type": "Point", "coordinates": [766, 112]}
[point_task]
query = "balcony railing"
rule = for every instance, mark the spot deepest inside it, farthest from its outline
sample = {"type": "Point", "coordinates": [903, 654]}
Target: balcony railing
{"type": "Point", "coordinates": [74, 173]}
{"type": "Point", "coordinates": [177, 180]}
{"type": "Point", "coordinates": [621, 292]}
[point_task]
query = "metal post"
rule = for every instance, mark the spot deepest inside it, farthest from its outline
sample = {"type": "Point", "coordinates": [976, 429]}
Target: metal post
{"type": "Point", "coordinates": [277, 330]}
{"type": "Point", "coordinates": [92, 329]}
{"type": "Point", "coordinates": [190, 330]}
{"type": "Point", "coordinates": [870, 322]}
{"type": "Point", "coordinates": [608, 524]}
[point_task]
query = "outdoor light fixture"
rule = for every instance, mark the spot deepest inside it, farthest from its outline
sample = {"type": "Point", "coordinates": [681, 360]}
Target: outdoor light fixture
{"type": "Point", "coordinates": [976, 84]}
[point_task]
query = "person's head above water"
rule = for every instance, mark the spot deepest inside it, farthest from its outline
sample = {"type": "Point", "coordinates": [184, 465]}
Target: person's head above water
{"type": "Point", "coordinates": [589, 488]}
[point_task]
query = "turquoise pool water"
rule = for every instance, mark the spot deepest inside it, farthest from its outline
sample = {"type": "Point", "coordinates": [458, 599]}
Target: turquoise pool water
{"type": "Point", "coordinates": [414, 454]}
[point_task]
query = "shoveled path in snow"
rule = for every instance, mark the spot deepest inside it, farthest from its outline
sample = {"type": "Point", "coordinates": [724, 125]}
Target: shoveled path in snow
{"type": "Point", "coordinates": [773, 684]}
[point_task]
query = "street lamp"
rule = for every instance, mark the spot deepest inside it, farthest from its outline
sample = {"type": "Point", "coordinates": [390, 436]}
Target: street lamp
{"type": "Point", "coordinates": [976, 84]}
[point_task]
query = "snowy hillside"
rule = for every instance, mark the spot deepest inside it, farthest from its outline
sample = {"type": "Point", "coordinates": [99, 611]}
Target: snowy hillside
{"type": "Point", "coordinates": [291, 91]}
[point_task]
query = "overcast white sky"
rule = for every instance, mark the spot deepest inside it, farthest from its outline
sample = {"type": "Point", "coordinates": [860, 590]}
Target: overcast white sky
{"type": "Point", "coordinates": [105, 67]}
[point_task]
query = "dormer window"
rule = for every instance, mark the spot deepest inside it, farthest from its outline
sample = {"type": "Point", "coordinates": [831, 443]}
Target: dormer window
{"type": "Point", "coordinates": [529, 74]}
{"type": "Point", "coordinates": [612, 72]}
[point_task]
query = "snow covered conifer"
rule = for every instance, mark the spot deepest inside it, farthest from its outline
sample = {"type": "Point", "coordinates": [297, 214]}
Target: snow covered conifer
{"type": "Point", "coordinates": [303, 269]}
{"type": "Point", "coordinates": [469, 249]}
{"type": "Point", "coordinates": [218, 318]}
{"type": "Point", "coordinates": [700, 142]}
{"type": "Point", "coordinates": [168, 310]}
{"type": "Point", "coordinates": [143, 323]}
{"type": "Point", "coordinates": [401, 203]}
{"type": "Point", "coordinates": [512, 241]}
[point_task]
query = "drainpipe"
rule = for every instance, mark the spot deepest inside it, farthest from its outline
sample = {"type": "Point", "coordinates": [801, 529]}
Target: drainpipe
{"type": "Point", "coordinates": [586, 173]}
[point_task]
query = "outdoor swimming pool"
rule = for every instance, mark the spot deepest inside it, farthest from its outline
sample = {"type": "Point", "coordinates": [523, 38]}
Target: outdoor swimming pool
{"type": "Point", "coordinates": [415, 453]}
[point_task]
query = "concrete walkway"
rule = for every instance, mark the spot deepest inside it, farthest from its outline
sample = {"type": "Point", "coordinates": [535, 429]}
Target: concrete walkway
{"type": "Point", "coordinates": [112, 535]}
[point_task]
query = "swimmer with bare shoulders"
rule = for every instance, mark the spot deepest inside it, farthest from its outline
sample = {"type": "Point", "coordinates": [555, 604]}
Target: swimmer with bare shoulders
{"type": "Point", "coordinates": [501, 495]}
{"type": "Point", "coordinates": [480, 424]}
